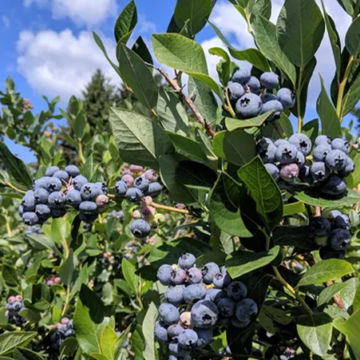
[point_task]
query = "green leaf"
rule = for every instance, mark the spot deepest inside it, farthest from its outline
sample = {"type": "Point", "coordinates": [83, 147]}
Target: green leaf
{"type": "Point", "coordinates": [130, 277]}
{"type": "Point", "coordinates": [330, 122]}
{"type": "Point", "coordinates": [224, 65]}
{"type": "Point", "coordinates": [243, 262]}
{"type": "Point", "coordinates": [225, 206]}
{"type": "Point", "coordinates": [172, 114]}
{"type": "Point", "coordinates": [126, 22]}
{"type": "Point", "coordinates": [351, 97]}
{"type": "Point", "coordinates": [139, 140]}
{"type": "Point", "coordinates": [121, 341]}
{"type": "Point", "coordinates": [108, 340]}
{"type": "Point", "coordinates": [253, 56]}
{"type": "Point", "coordinates": [149, 331]}
{"type": "Point", "coordinates": [237, 147]}
{"type": "Point", "coordinates": [327, 294]}
{"type": "Point", "coordinates": [315, 331]}
{"type": "Point", "coordinates": [233, 124]}
{"type": "Point", "coordinates": [294, 208]}
{"type": "Point", "coordinates": [300, 29]}
{"type": "Point", "coordinates": [41, 242]}
{"type": "Point", "coordinates": [68, 347]}
{"type": "Point", "coordinates": [9, 341]}
{"type": "Point", "coordinates": [352, 40]}
{"type": "Point", "coordinates": [356, 303]}
{"type": "Point", "coordinates": [98, 356]}
{"type": "Point", "coordinates": [26, 354]}
{"type": "Point", "coordinates": [298, 236]}
{"type": "Point", "coordinates": [326, 270]}
{"type": "Point", "coordinates": [311, 129]}
{"type": "Point", "coordinates": [263, 8]}
{"type": "Point", "coordinates": [10, 275]}
{"type": "Point", "coordinates": [138, 77]}
{"type": "Point", "coordinates": [194, 12]}
{"type": "Point", "coordinates": [266, 40]}
{"type": "Point", "coordinates": [66, 270]}
{"type": "Point", "coordinates": [137, 342]}
{"type": "Point", "coordinates": [184, 54]}
{"type": "Point", "coordinates": [79, 125]}
{"type": "Point", "coordinates": [264, 191]}
{"type": "Point", "coordinates": [16, 169]}
{"type": "Point", "coordinates": [141, 49]}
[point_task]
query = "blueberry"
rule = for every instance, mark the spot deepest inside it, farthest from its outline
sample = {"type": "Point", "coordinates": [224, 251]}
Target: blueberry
{"type": "Point", "coordinates": [195, 276]}
{"type": "Point", "coordinates": [164, 274]}
{"type": "Point", "coordinates": [17, 306]}
{"type": "Point", "coordinates": [50, 171]}
{"type": "Point", "coordinates": [321, 151]}
{"type": "Point", "coordinates": [58, 213]}
{"type": "Point", "coordinates": [194, 292]}
{"type": "Point", "coordinates": [334, 186]}
{"type": "Point", "coordinates": [186, 261]}
{"type": "Point", "coordinates": [341, 222]}
{"type": "Point", "coordinates": [142, 183]}
{"type": "Point", "coordinates": [328, 253]}
{"type": "Point", "coordinates": [241, 76]}
{"type": "Point", "coordinates": [174, 330]}
{"type": "Point", "coordinates": [305, 174]}
{"type": "Point", "coordinates": [272, 105]}
{"type": "Point", "coordinates": [161, 332]}
{"type": "Point", "coordinates": [188, 339]}
{"type": "Point", "coordinates": [268, 97]}
{"type": "Point", "coordinates": [286, 153]}
{"type": "Point", "coordinates": [42, 183]}
{"type": "Point", "coordinates": [320, 226]}
{"type": "Point", "coordinates": [174, 295]}
{"type": "Point", "coordinates": [235, 91]}
{"type": "Point", "coordinates": [134, 194]}
{"type": "Point", "coordinates": [176, 349]}
{"type": "Point", "coordinates": [154, 189]}
{"type": "Point", "coordinates": [121, 188]}
{"type": "Point", "coordinates": [57, 200]}
{"type": "Point", "coordinates": [215, 295]}
{"type": "Point", "coordinates": [30, 218]}
{"type": "Point", "coordinates": [128, 180]}
{"type": "Point", "coordinates": [248, 106]}
{"type": "Point", "coordinates": [336, 160]}
{"type": "Point", "coordinates": [43, 211]}
{"type": "Point", "coordinates": [301, 142]}
{"type": "Point", "coordinates": [63, 176]}
{"type": "Point", "coordinates": [286, 97]}
{"type": "Point", "coordinates": [226, 307]}
{"type": "Point", "coordinates": [341, 144]}
{"type": "Point", "coordinates": [209, 270]}
{"type": "Point", "coordinates": [79, 181]}
{"type": "Point", "coordinates": [169, 314]}
{"type": "Point", "coordinates": [151, 175]}
{"type": "Point", "coordinates": [178, 276]}
{"type": "Point", "coordinates": [89, 192]}
{"type": "Point", "coordinates": [279, 142]}
{"type": "Point", "coordinates": [204, 314]}
{"type": "Point", "coordinates": [28, 202]}
{"type": "Point", "coordinates": [323, 139]}
{"type": "Point", "coordinates": [269, 80]}
{"type": "Point", "coordinates": [88, 207]}
{"type": "Point", "coordinates": [102, 188]}
{"type": "Point", "coordinates": [54, 184]}
{"type": "Point", "coordinates": [236, 290]}
{"type": "Point", "coordinates": [140, 228]}
{"type": "Point", "coordinates": [289, 172]}
{"type": "Point", "coordinates": [204, 337]}
{"type": "Point", "coordinates": [319, 171]}
{"type": "Point", "coordinates": [41, 196]}
{"type": "Point", "coordinates": [339, 239]}
{"type": "Point", "coordinates": [72, 170]}
{"type": "Point", "coordinates": [254, 85]}
{"type": "Point", "coordinates": [246, 310]}
{"type": "Point", "coordinates": [266, 150]}
{"type": "Point", "coordinates": [300, 159]}
{"type": "Point", "coordinates": [73, 197]}
{"type": "Point", "coordinates": [221, 280]}
{"type": "Point", "coordinates": [349, 168]}
{"type": "Point", "coordinates": [273, 171]}
{"type": "Point", "coordinates": [21, 210]}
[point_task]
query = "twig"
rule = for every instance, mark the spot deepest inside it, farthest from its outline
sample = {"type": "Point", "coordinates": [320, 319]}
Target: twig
{"type": "Point", "coordinates": [9, 184]}
{"type": "Point", "coordinates": [169, 208]}
{"type": "Point", "coordinates": [173, 83]}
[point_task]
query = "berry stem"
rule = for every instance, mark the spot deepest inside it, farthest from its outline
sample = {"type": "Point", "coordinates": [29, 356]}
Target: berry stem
{"type": "Point", "coordinates": [342, 88]}
{"type": "Point", "coordinates": [174, 84]}
{"type": "Point", "coordinates": [81, 155]}
{"type": "Point", "coordinates": [229, 108]}
{"type": "Point", "coordinates": [9, 184]}
{"type": "Point", "coordinates": [66, 301]}
{"type": "Point", "coordinates": [8, 228]}
{"type": "Point", "coordinates": [278, 129]}
{"type": "Point", "coordinates": [169, 208]}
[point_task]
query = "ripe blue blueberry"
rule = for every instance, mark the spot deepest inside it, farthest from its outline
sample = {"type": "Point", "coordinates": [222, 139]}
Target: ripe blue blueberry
{"type": "Point", "coordinates": [142, 183]}
{"type": "Point", "coordinates": [339, 239]}
{"type": "Point", "coordinates": [209, 270]}
{"type": "Point", "coordinates": [286, 153]}
{"type": "Point", "coordinates": [154, 189]}
{"type": "Point", "coordinates": [235, 91]}
{"type": "Point", "coordinates": [320, 226]}
{"type": "Point", "coordinates": [341, 222]}
{"type": "Point", "coordinates": [268, 97]}
{"type": "Point", "coordinates": [169, 314]}
{"type": "Point", "coordinates": [246, 310]}
{"type": "Point", "coordinates": [254, 85]}
{"type": "Point", "coordinates": [72, 170]}
{"type": "Point", "coordinates": [279, 142]}
{"type": "Point", "coordinates": [30, 218]}
{"type": "Point", "coordinates": [322, 139]}
{"type": "Point", "coordinates": [272, 105]}
{"type": "Point", "coordinates": [140, 228]}
{"type": "Point", "coordinates": [176, 349]}
{"type": "Point", "coordinates": [21, 210]}
{"type": "Point", "coordinates": [164, 274]}
{"type": "Point", "coordinates": [204, 337]}
{"type": "Point", "coordinates": [88, 207]}
{"type": "Point", "coordinates": [336, 160]}
{"type": "Point", "coordinates": [161, 332]}
{"type": "Point", "coordinates": [215, 295]}
{"type": "Point", "coordinates": [186, 261]}
{"type": "Point", "coordinates": [301, 142]}
{"type": "Point", "coordinates": [300, 159]}
{"type": "Point", "coordinates": [28, 202]}
{"type": "Point", "coordinates": [266, 151]}
{"type": "Point", "coordinates": [221, 280]}
{"type": "Point", "coordinates": [63, 176]}
{"type": "Point", "coordinates": [79, 181]}
{"type": "Point", "coordinates": [188, 339]}
{"type": "Point", "coordinates": [42, 183]}
{"type": "Point", "coordinates": [57, 200]}
{"type": "Point", "coordinates": [286, 97]}
{"type": "Point", "coordinates": [58, 213]}
{"type": "Point", "coordinates": [54, 184]}
{"type": "Point", "coordinates": [194, 292]}
{"type": "Point", "coordinates": [178, 276]}
{"type": "Point", "coordinates": [204, 314]}
{"type": "Point", "coordinates": [134, 194]}
{"type": "Point", "coordinates": [43, 211]}
{"type": "Point", "coordinates": [174, 295]}
{"type": "Point", "coordinates": [334, 185]}
{"type": "Point", "coordinates": [50, 171]}
{"type": "Point", "coordinates": [241, 76]}
{"type": "Point", "coordinates": [327, 253]}
{"type": "Point", "coordinates": [73, 197]}
{"type": "Point", "coordinates": [89, 192]}
{"type": "Point", "coordinates": [88, 218]}
{"type": "Point", "coordinates": [273, 171]}
{"type": "Point", "coordinates": [349, 168]}
{"type": "Point", "coordinates": [41, 196]}
{"type": "Point", "coordinates": [341, 144]}
{"type": "Point", "coordinates": [248, 106]}
{"type": "Point", "coordinates": [121, 188]}
{"type": "Point", "coordinates": [236, 290]}
{"type": "Point", "coordinates": [226, 307]}
{"type": "Point", "coordinates": [195, 276]}
{"type": "Point", "coordinates": [321, 151]}
{"type": "Point", "coordinates": [174, 330]}
{"type": "Point", "coordinates": [319, 171]}
{"type": "Point", "coordinates": [289, 172]}
{"type": "Point", "coordinates": [269, 80]}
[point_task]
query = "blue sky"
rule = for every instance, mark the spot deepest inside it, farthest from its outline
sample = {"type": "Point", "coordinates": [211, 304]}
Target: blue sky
{"type": "Point", "coordinates": [47, 46]}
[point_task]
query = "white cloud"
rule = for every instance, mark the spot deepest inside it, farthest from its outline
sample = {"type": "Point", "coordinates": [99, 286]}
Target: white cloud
{"type": "Point", "coordinates": [6, 21]}
{"type": "Point", "coordinates": [61, 63]}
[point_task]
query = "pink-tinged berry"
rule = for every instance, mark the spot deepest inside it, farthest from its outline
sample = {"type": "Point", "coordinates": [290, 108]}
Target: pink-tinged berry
{"type": "Point", "coordinates": [148, 212]}
{"type": "Point", "coordinates": [136, 214]}
{"type": "Point", "coordinates": [58, 326]}
{"type": "Point", "coordinates": [136, 168]}
{"type": "Point", "coordinates": [65, 320]}
{"type": "Point", "coordinates": [146, 200]}
{"type": "Point", "coordinates": [12, 299]}
{"type": "Point", "coordinates": [57, 280]}
{"type": "Point", "coordinates": [289, 172]}
{"type": "Point", "coordinates": [128, 180]}
{"type": "Point", "coordinates": [151, 175]}
{"type": "Point", "coordinates": [102, 200]}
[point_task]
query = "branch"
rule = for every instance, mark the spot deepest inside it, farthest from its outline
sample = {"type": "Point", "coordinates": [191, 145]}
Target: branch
{"type": "Point", "coordinates": [174, 84]}
{"type": "Point", "coordinates": [169, 208]}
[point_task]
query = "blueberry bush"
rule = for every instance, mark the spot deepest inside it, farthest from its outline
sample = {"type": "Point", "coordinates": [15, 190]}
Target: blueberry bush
{"type": "Point", "coordinates": [198, 224]}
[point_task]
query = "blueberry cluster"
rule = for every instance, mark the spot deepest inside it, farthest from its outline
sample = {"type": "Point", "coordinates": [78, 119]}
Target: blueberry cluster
{"type": "Point", "coordinates": [36, 229]}
{"type": "Point", "coordinates": [59, 188]}
{"type": "Point", "coordinates": [335, 231]}
{"type": "Point", "coordinates": [13, 307]}
{"type": "Point", "coordinates": [131, 248]}
{"type": "Point", "coordinates": [197, 301]}
{"type": "Point", "coordinates": [52, 280]}
{"type": "Point", "coordinates": [286, 160]}
{"type": "Point", "coordinates": [252, 97]}
{"type": "Point", "coordinates": [63, 330]}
